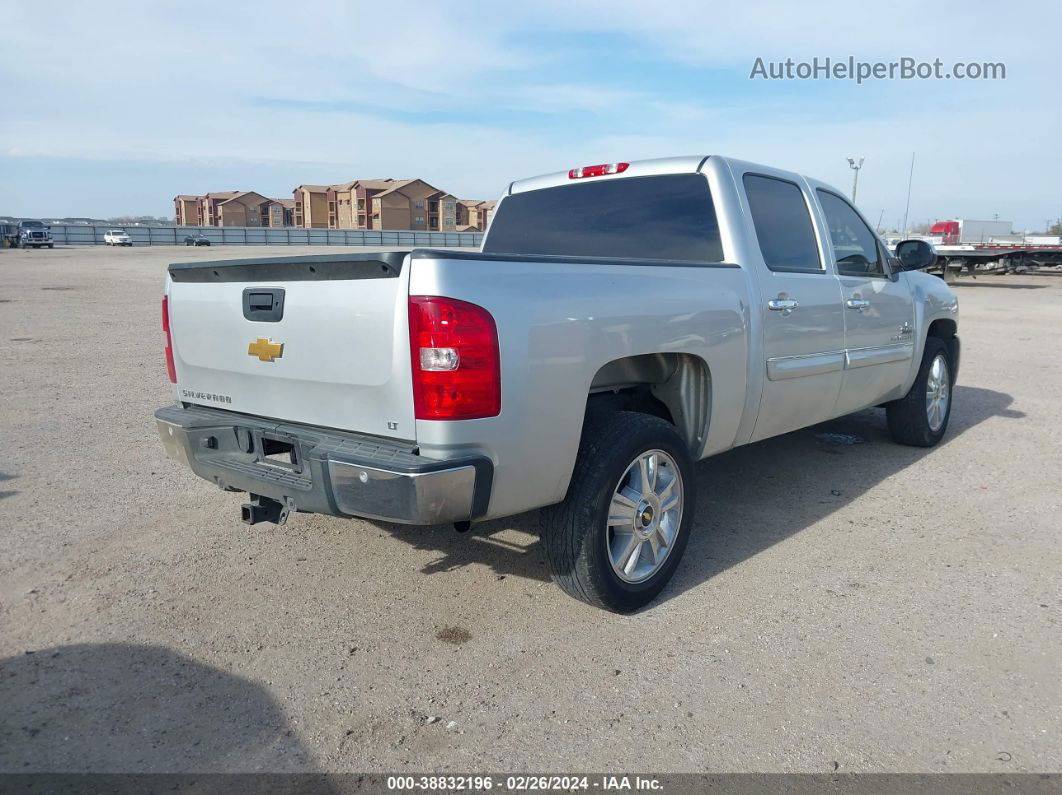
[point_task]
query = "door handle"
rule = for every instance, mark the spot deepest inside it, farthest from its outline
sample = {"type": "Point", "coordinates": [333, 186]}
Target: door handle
{"type": "Point", "coordinates": [857, 303]}
{"type": "Point", "coordinates": [783, 305]}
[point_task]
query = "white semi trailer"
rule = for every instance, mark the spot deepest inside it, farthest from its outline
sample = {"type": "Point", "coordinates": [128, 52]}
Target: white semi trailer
{"type": "Point", "coordinates": [966, 230]}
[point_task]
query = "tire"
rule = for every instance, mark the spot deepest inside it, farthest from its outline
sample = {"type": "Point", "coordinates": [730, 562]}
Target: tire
{"type": "Point", "coordinates": [51, 245]}
{"type": "Point", "coordinates": [909, 418]}
{"type": "Point", "coordinates": [579, 541]}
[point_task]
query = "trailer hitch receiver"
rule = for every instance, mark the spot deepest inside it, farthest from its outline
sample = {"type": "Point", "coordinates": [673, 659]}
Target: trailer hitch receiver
{"type": "Point", "coordinates": [266, 509]}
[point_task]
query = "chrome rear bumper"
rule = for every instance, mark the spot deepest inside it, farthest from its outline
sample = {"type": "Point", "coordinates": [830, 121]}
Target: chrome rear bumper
{"type": "Point", "coordinates": [325, 471]}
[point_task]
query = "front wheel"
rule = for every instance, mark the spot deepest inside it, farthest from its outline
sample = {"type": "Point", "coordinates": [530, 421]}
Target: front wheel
{"type": "Point", "coordinates": [619, 535]}
{"type": "Point", "coordinates": [920, 418]}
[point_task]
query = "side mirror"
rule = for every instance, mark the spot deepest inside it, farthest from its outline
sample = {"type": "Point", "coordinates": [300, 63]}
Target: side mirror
{"type": "Point", "coordinates": [915, 255]}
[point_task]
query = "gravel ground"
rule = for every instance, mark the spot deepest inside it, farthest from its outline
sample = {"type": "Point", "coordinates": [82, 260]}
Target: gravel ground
{"type": "Point", "coordinates": [858, 607]}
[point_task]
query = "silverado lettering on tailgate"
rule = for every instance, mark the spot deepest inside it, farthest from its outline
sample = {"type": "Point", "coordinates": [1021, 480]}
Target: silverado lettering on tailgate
{"type": "Point", "coordinates": [193, 395]}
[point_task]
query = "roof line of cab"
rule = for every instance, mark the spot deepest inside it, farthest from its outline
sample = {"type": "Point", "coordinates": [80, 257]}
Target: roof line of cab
{"type": "Point", "coordinates": [688, 164]}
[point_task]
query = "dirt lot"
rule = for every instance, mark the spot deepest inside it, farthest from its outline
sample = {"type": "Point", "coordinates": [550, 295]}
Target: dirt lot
{"type": "Point", "coordinates": [863, 607]}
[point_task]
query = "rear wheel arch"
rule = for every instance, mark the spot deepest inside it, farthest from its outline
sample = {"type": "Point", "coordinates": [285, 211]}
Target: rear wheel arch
{"type": "Point", "coordinates": [677, 387]}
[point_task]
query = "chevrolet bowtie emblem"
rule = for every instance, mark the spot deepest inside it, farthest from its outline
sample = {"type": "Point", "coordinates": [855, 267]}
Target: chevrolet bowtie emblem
{"type": "Point", "coordinates": [265, 350]}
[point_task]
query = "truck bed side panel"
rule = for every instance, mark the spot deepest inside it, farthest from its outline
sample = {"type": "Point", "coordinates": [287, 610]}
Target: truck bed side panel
{"type": "Point", "coordinates": [558, 324]}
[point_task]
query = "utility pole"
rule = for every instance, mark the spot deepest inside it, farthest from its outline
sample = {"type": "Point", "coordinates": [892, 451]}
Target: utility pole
{"type": "Point", "coordinates": [910, 179]}
{"type": "Point", "coordinates": [855, 180]}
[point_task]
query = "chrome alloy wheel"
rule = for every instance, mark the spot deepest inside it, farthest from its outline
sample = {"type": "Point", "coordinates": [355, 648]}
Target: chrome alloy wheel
{"type": "Point", "coordinates": [644, 516]}
{"type": "Point", "coordinates": [938, 393]}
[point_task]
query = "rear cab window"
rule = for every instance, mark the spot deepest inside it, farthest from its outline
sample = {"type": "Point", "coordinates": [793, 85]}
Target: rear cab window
{"type": "Point", "coordinates": [666, 217]}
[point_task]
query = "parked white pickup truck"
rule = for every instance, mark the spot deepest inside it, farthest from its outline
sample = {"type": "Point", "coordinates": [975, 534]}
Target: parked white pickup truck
{"type": "Point", "coordinates": [621, 322]}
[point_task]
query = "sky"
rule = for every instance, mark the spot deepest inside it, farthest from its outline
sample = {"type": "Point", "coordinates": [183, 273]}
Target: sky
{"type": "Point", "coordinates": [121, 106]}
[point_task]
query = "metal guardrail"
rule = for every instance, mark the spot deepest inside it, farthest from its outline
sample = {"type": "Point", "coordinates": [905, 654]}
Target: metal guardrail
{"type": "Point", "coordinates": [84, 235]}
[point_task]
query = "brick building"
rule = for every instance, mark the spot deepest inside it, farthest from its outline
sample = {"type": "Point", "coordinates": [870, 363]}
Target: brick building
{"type": "Point", "coordinates": [359, 204]}
{"type": "Point", "coordinates": [233, 208]}
{"type": "Point", "coordinates": [375, 204]}
{"type": "Point", "coordinates": [474, 214]}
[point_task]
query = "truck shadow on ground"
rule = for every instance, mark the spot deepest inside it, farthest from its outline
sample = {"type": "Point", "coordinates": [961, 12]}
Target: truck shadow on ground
{"type": "Point", "coordinates": [755, 496]}
{"type": "Point", "coordinates": [123, 708]}
{"type": "Point", "coordinates": [747, 499]}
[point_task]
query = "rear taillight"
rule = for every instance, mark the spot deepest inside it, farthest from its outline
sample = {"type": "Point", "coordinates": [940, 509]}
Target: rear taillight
{"type": "Point", "coordinates": [456, 367]}
{"type": "Point", "coordinates": [598, 171]}
{"type": "Point", "coordinates": [170, 368]}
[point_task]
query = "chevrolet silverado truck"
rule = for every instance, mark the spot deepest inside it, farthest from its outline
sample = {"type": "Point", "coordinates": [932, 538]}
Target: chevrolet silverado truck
{"type": "Point", "coordinates": [619, 323]}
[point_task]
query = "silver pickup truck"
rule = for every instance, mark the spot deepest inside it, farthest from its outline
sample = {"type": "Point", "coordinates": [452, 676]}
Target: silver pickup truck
{"type": "Point", "coordinates": [621, 322]}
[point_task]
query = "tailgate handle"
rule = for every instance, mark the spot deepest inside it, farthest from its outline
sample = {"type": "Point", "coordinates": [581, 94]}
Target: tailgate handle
{"type": "Point", "coordinates": [263, 304]}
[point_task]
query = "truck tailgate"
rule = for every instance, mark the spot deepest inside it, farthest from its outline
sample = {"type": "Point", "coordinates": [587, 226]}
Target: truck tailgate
{"type": "Point", "coordinates": [320, 340]}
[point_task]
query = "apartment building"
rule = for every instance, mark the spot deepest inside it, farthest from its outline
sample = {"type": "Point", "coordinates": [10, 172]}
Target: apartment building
{"type": "Point", "coordinates": [243, 209]}
{"type": "Point", "coordinates": [281, 212]}
{"type": "Point", "coordinates": [201, 210]}
{"type": "Point", "coordinates": [188, 210]}
{"type": "Point", "coordinates": [414, 204]}
{"type": "Point", "coordinates": [233, 208]}
{"type": "Point", "coordinates": [350, 203]}
{"type": "Point", "coordinates": [375, 204]}
{"type": "Point", "coordinates": [359, 204]}
{"type": "Point", "coordinates": [311, 206]}
{"type": "Point", "coordinates": [474, 214]}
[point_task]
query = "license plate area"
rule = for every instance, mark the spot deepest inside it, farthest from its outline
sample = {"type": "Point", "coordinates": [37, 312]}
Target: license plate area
{"type": "Point", "coordinates": [278, 450]}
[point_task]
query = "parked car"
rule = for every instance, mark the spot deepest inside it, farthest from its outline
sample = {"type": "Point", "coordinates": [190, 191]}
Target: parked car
{"type": "Point", "coordinates": [117, 237]}
{"type": "Point", "coordinates": [197, 239]}
{"type": "Point", "coordinates": [31, 234]}
{"type": "Point", "coordinates": [621, 322]}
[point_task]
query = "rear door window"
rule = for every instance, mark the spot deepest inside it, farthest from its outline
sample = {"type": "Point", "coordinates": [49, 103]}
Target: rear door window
{"type": "Point", "coordinates": [668, 217]}
{"type": "Point", "coordinates": [783, 224]}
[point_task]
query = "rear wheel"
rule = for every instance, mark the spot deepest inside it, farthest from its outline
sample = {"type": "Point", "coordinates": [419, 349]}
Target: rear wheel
{"type": "Point", "coordinates": [920, 418]}
{"type": "Point", "coordinates": [619, 535]}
